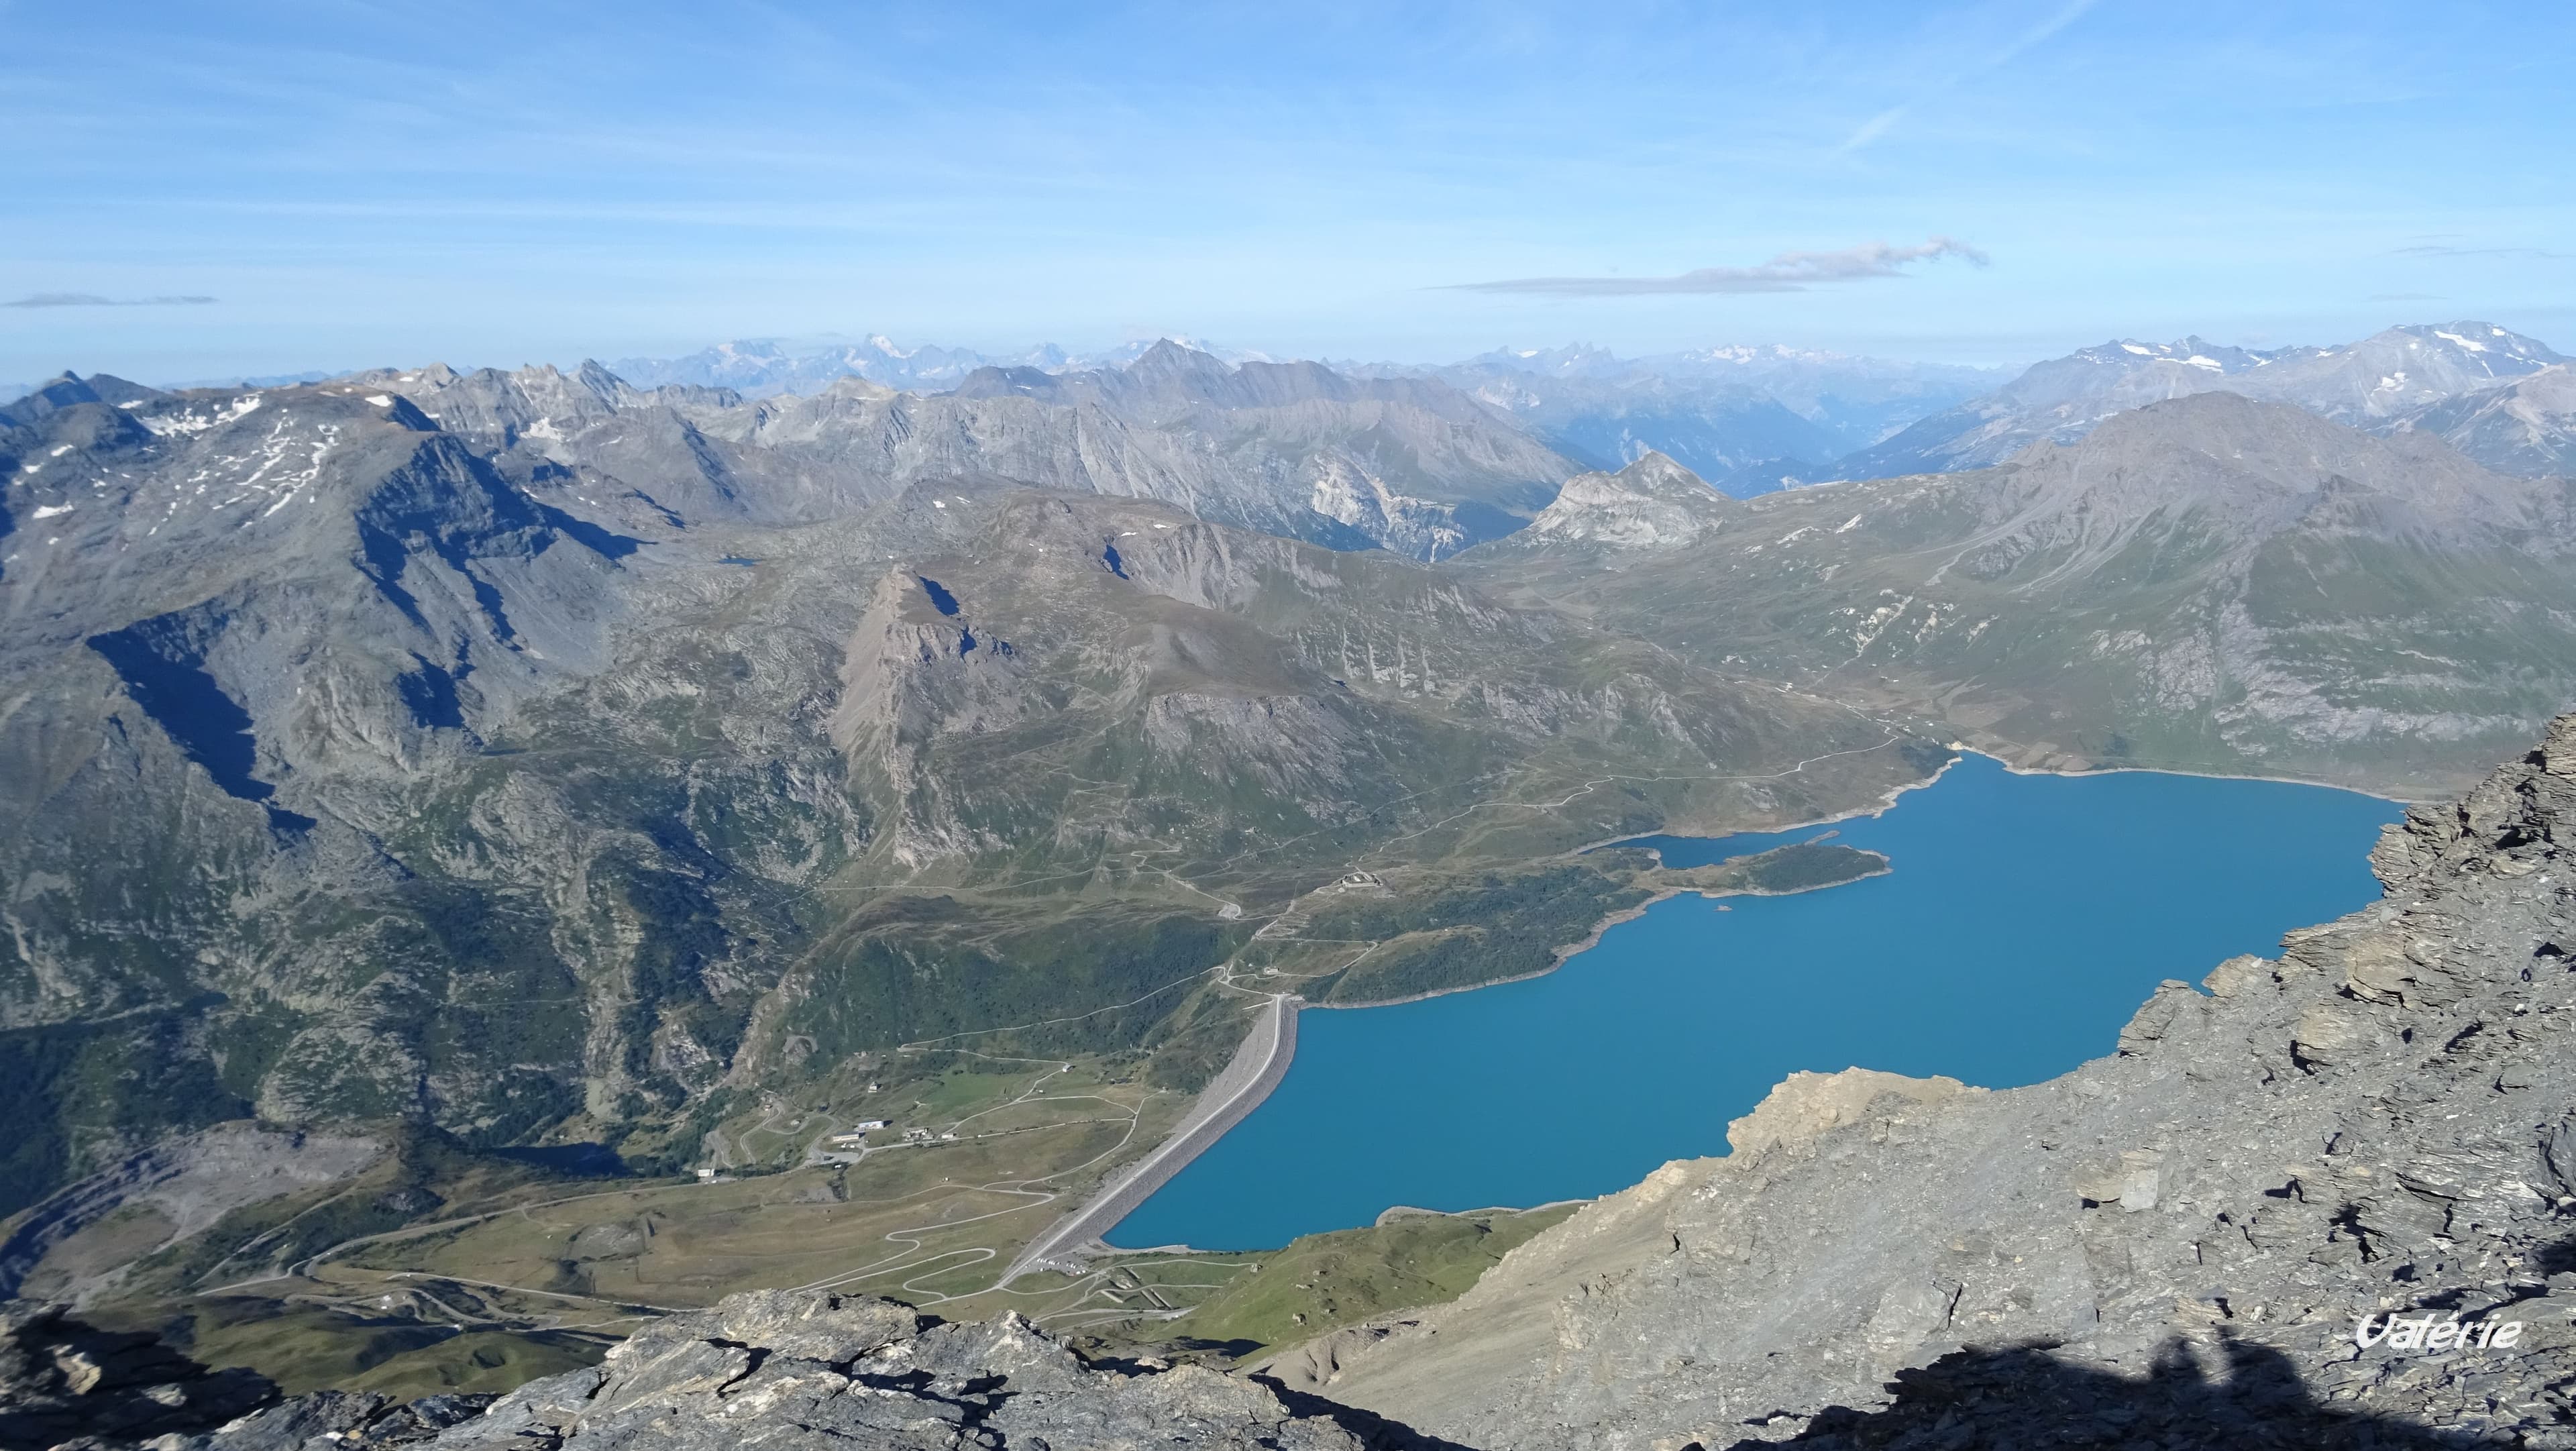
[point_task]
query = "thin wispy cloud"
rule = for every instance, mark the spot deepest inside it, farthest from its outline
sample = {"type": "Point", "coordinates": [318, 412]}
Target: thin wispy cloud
{"type": "Point", "coordinates": [1788, 272]}
{"type": "Point", "coordinates": [1877, 126]}
{"type": "Point", "coordinates": [2436, 249]}
{"type": "Point", "coordinates": [2066, 15]}
{"type": "Point", "coordinates": [1870, 130]}
{"type": "Point", "coordinates": [92, 299]}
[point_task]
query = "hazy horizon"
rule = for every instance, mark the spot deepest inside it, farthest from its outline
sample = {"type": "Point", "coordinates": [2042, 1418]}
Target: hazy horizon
{"type": "Point", "coordinates": [261, 191]}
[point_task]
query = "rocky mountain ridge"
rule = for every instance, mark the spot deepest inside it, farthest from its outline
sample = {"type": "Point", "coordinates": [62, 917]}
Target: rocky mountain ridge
{"type": "Point", "coordinates": [2398, 379]}
{"type": "Point", "coordinates": [1746, 417]}
{"type": "Point", "coordinates": [1296, 449]}
{"type": "Point", "coordinates": [2525, 427]}
{"type": "Point", "coordinates": [1651, 503]}
{"type": "Point", "coordinates": [2206, 583]}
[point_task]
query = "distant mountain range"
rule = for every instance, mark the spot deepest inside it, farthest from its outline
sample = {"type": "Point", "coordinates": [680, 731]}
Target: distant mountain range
{"type": "Point", "coordinates": [1753, 419]}
{"type": "Point", "coordinates": [1747, 418]}
{"type": "Point", "coordinates": [762, 368]}
{"type": "Point", "coordinates": [2211, 582]}
{"type": "Point", "coordinates": [1750, 420]}
{"type": "Point", "coordinates": [1407, 464]}
{"type": "Point", "coordinates": [2394, 381]}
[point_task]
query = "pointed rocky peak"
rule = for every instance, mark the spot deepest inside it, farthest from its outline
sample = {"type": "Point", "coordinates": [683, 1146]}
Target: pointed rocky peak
{"type": "Point", "coordinates": [604, 385]}
{"type": "Point", "coordinates": [2401, 369]}
{"type": "Point", "coordinates": [1653, 503]}
{"type": "Point", "coordinates": [52, 396]}
{"type": "Point", "coordinates": [71, 389]}
{"type": "Point", "coordinates": [1654, 475]}
{"type": "Point", "coordinates": [1178, 362]}
{"type": "Point", "coordinates": [2500, 348]}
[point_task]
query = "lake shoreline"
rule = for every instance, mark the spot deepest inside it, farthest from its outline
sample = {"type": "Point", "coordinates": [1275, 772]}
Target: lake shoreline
{"type": "Point", "coordinates": [2194, 775]}
{"type": "Point", "coordinates": [2004, 826]}
{"type": "Point", "coordinates": [1888, 800]}
{"type": "Point", "coordinates": [1170, 1157]}
{"type": "Point", "coordinates": [1592, 939]}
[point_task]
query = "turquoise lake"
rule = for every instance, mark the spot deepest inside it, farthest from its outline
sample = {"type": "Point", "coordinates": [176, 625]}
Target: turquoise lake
{"type": "Point", "coordinates": [2024, 920]}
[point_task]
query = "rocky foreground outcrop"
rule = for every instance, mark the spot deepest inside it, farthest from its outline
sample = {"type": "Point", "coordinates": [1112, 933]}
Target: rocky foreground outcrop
{"type": "Point", "coordinates": [2175, 1245]}
{"type": "Point", "coordinates": [778, 1370]}
{"type": "Point", "coordinates": [65, 1381]}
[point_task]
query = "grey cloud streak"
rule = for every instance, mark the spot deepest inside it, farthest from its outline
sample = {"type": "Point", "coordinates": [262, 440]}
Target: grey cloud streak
{"type": "Point", "coordinates": [92, 299]}
{"type": "Point", "coordinates": [1788, 272]}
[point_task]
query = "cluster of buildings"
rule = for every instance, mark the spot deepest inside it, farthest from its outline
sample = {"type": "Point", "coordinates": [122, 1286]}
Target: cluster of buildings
{"type": "Point", "coordinates": [855, 1138]}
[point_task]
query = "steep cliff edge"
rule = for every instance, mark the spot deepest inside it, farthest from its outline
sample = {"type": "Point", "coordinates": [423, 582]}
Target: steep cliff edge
{"type": "Point", "coordinates": [2178, 1240]}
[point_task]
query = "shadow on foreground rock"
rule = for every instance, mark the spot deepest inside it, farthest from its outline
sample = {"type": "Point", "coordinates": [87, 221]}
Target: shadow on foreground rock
{"type": "Point", "coordinates": [61, 1379]}
{"type": "Point", "coordinates": [1998, 1400]}
{"type": "Point", "coordinates": [1373, 1431]}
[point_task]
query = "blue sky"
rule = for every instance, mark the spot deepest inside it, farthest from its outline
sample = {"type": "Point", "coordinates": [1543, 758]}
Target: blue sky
{"type": "Point", "coordinates": [356, 184]}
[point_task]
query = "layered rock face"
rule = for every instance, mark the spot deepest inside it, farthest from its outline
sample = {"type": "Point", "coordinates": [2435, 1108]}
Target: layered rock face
{"type": "Point", "coordinates": [2173, 1245]}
